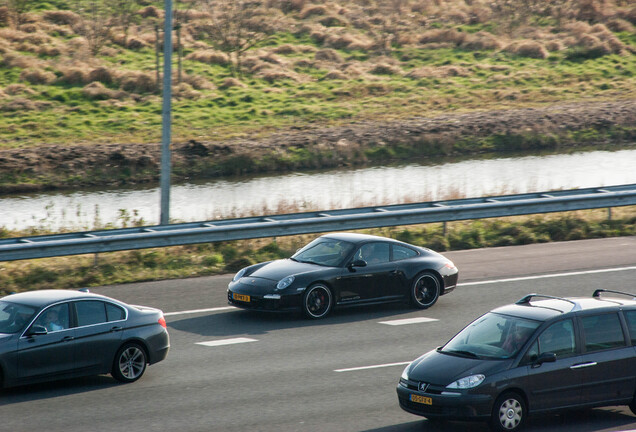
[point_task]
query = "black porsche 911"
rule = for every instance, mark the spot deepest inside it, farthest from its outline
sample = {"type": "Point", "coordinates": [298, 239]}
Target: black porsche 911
{"type": "Point", "coordinates": [346, 269]}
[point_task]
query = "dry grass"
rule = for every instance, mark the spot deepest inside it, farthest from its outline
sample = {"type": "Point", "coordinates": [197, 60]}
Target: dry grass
{"type": "Point", "coordinates": [528, 48]}
{"type": "Point", "coordinates": [97, 91]}
{"type": "Point", "coordinates": [37, 76]}
{"type": "Point", "coordinates": [232, 82]}
{"type": "Point", "coordinates": [209, 56]}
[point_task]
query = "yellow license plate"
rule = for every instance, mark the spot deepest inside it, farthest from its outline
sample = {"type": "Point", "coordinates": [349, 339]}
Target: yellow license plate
{"type": "Point", "coordinates": [241, 297]}
{"type": "Point", "coordinates": [421, 399]}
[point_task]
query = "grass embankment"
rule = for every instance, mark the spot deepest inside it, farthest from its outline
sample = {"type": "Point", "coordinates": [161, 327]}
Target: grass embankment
{"type": "Point", "coordinates": [210, 259]}
{"type": "Point", "coordinates": [321, 64]}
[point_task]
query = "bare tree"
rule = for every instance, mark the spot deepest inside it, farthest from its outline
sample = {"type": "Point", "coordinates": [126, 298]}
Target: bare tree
{"type": "Point", "coordinates": [94, 22]}
{"type": "Point", "coordinates": [236, 26]}
{"type": "Point", "coordinates": [125, 15]}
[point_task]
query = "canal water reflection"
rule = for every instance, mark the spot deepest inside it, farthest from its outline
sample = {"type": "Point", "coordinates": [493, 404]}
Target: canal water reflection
{"type": "Point", "coordinates": [342, 188]}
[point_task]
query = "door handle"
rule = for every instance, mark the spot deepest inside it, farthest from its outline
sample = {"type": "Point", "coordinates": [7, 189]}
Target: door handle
{"type": "Point", "coordinates": [67, 338]}
{"type": "Point", "coordinates": [583, 365]}
{"type": "Point", "coordinates": [116, 329]}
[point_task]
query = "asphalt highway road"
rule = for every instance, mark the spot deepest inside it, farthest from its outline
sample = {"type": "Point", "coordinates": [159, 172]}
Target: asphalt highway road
{"type": "Point", "coordinates": [233, 370]}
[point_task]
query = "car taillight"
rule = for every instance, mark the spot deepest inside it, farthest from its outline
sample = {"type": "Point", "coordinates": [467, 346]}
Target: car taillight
{"type": "Point", "coordinates": [162, 322]}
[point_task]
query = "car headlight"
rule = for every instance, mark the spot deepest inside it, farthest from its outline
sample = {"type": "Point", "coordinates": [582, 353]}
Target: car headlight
{"type": "Point", "coordinates": [238, 275]}
{"type": "Point", "coordinates": [284, 282]}
{"type": "Point", "coordinates": [405, 373]}
{"type": "Point", "coordinates": [467, 382]}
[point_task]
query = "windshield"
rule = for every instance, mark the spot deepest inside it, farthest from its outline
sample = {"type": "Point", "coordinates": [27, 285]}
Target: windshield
{"type": "Point", "coordinates": [324, 251]}
{"type": "Point", "coordinates": [492, 336]}
{"type": "Point", "coordinates": [14, 317]}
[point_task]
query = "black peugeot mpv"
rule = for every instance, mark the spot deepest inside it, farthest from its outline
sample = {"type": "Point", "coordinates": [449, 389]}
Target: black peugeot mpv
{"type": "Point", "coordinates": [540, 354]}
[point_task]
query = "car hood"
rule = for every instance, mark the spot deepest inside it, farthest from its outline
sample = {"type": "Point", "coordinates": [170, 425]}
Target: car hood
{"type": "Point", "coordinates": [442, 369]}
{"type": "Point", "coordinates": [276, 270]}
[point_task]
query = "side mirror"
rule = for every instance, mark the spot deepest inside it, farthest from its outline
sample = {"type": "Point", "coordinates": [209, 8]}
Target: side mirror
{"type": "Point", "coordinates": [547, 357]}
{"type": "Point", "coordinates": [358, 263]}
{"type": "Point", "coordinates": [37, 330]}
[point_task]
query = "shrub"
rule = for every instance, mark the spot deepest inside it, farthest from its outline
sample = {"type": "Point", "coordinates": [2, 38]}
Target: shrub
{"type": "Point", "coordinates": [209, 57]}
{"type": "Point", "coordinates": [102, 75]}
{"type": "Point", "coordinates": [37, 76]}
{"type": "Point", "coordinates": [138, 83]}
{"type": "Point", "coordinates": [311, 10]}
{"type": "Point", "coordinates": [232, 82]}
{"type": "Point", "coordinates": [73, 76]}
{"type": "Point", "coordinates": [528, 48]}
{"type": "Point", "coordinates": [386, 69]}
{"type": "Point", "coordinates": [328, 55]}
{"type": "Point", "coordinates": [64, 17]}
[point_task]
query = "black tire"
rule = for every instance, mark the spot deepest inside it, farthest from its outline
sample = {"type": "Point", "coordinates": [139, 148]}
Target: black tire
{"type": "Point", "coordinates": [130, 363]}
{"type": "Point", "coordinates": [508, 413]}
{"type": "Point", "coordinates": [317, 301]}
{"type": "Point", "coordinates": [425, 290]}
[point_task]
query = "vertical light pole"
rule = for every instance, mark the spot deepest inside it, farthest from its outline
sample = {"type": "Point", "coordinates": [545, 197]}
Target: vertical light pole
{"type": "Point", "coordinates": [166, 114]}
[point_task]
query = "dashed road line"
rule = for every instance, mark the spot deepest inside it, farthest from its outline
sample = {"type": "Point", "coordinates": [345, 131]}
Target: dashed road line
{"type": "Point", "coordinates": [222, 342]}
{"type": "Point", "coordinates": [408, 321]}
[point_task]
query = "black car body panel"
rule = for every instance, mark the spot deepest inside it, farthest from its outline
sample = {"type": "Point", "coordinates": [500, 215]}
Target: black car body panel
{"type": "Point", "coordinates": [255, 287]}
{"type": "Point", "coordinates": [93, 329]}
{"type": "Point", "coordinates": [581, 352]}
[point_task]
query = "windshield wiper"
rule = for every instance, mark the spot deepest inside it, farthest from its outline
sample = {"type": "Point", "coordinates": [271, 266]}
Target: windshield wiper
{"type": "Point", "coordinates": [461, 353]}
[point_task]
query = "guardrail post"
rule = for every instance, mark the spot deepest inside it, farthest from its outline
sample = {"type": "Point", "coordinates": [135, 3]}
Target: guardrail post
{"type": "Point", "coordinates": [609, 213]}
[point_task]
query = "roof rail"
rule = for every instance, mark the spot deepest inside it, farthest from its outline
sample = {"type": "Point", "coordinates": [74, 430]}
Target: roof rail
{"type": "Point", "coordinates": [597, 293]}
{"type": "Point", "coordinates": [526, 299]}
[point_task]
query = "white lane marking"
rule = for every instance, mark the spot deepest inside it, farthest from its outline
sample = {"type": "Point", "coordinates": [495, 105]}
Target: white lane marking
{"type": "Point", "coordinates": [372, 367]}
{"type": "Point", "coordinates": [218, 309]}
{"type": "Point", "coordinates": [408, 321]}
{"type": "Point", "coordinates": [547, 276]}
{"type": "Point", "coordinates": [195, 311]}
{"type": "Point", "coordinates": [226, 342]}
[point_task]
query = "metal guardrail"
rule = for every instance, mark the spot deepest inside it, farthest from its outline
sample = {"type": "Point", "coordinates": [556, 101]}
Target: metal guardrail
{"type": "Point", "coordinates": [314, 222]}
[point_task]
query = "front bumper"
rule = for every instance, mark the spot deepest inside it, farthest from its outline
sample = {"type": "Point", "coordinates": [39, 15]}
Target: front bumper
{"type": "Point", "coordinates": [262, 300]}
{"type": "Point", "coordinates": [461, 406]}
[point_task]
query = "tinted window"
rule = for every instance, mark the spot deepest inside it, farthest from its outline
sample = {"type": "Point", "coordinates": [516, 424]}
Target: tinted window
{"type": "Point", "coordinates": [631, 324]}
{"type": "Point", "coordinates": [14, 317]}
{"type": "Point", "coordinates": [90, 312]}
{"type": "Point", "coordinates": [114, 313]}
{"type": "Point", "coordinates": [558, 339]}
{"type": "Point", "coordinates": [324, 251]}
{"type": "Point", "coordinates": [602, 332]}
{"type": "Point", "coordinates": [374, 253]}
{"type": "Point", "coordinates": [401, 252]}
{"type": "Point", "coordinates": [54, 318]}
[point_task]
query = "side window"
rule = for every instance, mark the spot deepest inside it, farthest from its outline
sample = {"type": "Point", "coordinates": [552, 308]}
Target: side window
{"type": "Point", "coordinates": [631, 324]}
{"type": "Point", "coordinates": [374, 253]}
{"type": "Point", "coordinates": [114, 313]}
{"type": "Point", "coordinates": [558, 339]}
{"type": "Point", "coordinates": [55, 318]}
{"type": "Point", "coordinates": [90, 312]}
{"type": "Point", "coordinates": [401, 252]}
{"type": "Point", "coordinates": [602, 332]}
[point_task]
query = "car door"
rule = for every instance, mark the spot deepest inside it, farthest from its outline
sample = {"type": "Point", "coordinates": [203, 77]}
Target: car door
{"type": "Point", "coordinates": [608, 365]}
{"type": "Point", "coordinates": [372, 281]}
{"type": "Point", "coordinates": [46, 354]}
{"type": "Point", "coordinates": [98, 335]}
{"type": "Point", "coordinates": [398, 282]}
{"type": "Point", "coordinates": [552, 385]}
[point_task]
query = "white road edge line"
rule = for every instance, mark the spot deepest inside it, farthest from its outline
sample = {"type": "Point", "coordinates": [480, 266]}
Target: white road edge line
{"type": "Point", "coordinates": [226, 342]}
{"type": "Point", "coordinates": [408, 321]}
{"type": "Point", "coordinates": [372, 367]}
{"type": "Point", "coordinates": [195, 311]}
{"type": "Point", "coordinates": [547, 276]}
